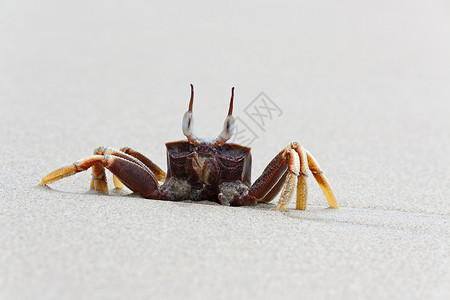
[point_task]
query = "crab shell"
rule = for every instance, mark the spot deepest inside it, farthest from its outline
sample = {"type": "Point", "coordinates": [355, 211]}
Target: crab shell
{"type": "Point", "coordinates": [206, 166]}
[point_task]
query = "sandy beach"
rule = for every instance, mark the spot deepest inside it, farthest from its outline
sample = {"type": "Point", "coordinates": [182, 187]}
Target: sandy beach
{"type": "Point", "coordinates": [363, 86]}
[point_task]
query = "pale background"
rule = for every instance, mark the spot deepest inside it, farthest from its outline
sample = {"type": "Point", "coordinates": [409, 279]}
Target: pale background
{"type": "Point", "coordinates": [364, 85]}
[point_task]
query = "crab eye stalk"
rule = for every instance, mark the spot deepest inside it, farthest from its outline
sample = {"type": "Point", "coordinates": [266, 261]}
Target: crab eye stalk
{"type": "Point", "coordinates": [188, 120]}
{"type": "Point", "coordinates": [229, 124]}
{"type": "Point", "coordinates": [188, 124]}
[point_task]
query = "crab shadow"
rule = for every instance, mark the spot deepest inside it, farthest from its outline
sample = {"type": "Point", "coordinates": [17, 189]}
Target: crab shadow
{"type": "Point", "coordinates": [92, 193]}
{"type": "Point", "coordinates": [124, 193]}
{"type": "Point", "coordinates": [259, 206]}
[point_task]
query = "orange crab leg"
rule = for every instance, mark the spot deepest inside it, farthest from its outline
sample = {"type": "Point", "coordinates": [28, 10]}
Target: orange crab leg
{"type": "Point", "coordinates": [64, 171]}
{"type": "Point", "coordinates": [136, 177]}
{"type": "Point", "coordinates": [302, 187]}
{"type": "Point", "coordinates": [321, 180]}
{"type": "Point", "coordinates": [287, 173]}
{"type": "Point", "coordinates": [291, 180]}
{"type": "Point", "coordinates": [99, 181]}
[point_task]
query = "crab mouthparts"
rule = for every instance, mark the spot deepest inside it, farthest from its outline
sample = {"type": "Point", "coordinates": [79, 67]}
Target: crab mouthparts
{"type": "Point", "coordinates": [206, 168]}
{"type": "Point", "coordinates": [199, 161]}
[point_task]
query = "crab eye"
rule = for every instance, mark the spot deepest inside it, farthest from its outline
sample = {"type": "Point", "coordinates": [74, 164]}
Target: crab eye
{"type": "Point", "coordinates": [188, 124]}
{"type": "Point", "coordinates": [228, 128]}
{"type": "Point", "coordinates": [227, 132]}
{"type": "Point", "coordinates": [188, 121]}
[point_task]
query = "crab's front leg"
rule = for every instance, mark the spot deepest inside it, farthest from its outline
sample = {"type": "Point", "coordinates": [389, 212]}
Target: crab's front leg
{"type": "Point", "coordinates": [280, 173]}
{"type": "Point", "coordinates": [287, 171]}
{"type": "Point", "coordinates": [98, 171]}
{"type": "Point", "coordinates": [269, 184]}
{"type": "Point", "coordinates": [130, 171]}
{"type": "Point", "coordinates": [135, 177]}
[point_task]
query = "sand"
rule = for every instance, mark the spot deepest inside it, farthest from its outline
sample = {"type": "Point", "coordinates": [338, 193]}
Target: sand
{"type": "Point", "coordinates": [364, 87]}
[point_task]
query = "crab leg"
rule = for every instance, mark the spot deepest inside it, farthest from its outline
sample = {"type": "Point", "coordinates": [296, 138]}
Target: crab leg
{"type": "Point", "coordinates": [275, 190]}
{"type": "Point", "coordinates": [99, 181]}
{"type": "Point", "coordinates": [281, 173]}
{"type": "Point", "coordinates": [288, 172]}
{"type": "Point", "coordinates": [136, 177]}
{"type": "Point", "coordinates": [68, 170]}
{"type": "Point", "coordinates": [291, 180]}
{"type": "Point", "coordinates": [269, 178]}
{"type": "Point", "coordinates": [302, 187]}
{"type": "Point", "coordinates": [160, 175]}
{"type": "Point", "coordinates": [321, 180]}
{"type": "Point", "coordinates": [269, 183]}
{"type": "Point", "coordinates": [131, 155]}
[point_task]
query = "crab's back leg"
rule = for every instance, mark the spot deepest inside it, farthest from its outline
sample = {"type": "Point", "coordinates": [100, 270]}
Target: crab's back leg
{"type": "Point", "coordinates": [99, 181]}
{"type": "Point", "coordinates": [68, 170]}
{"type": "Point", "coordinates": [159, 173]}
{"type": "Point", "coordinates": [321, 180]}
{"type": "Point", "coordinates": [302, 186]}
{"type": "Point", "coordinates": [299, 171]}
{"type": "Point", "coordinates": [269, 177]}
{"type": "Point", "coordinates": [290, 182]}
{"type": "Point", "coordinates": [130, 155]}
{"type": "Point", "coordinates": [287, 172]}
{"type": "Point", "coordinates": [275, 190]}
{"type": "Point", "coordinates": [280, 173]}
{"type": "Point", "coordinates": [136, 177]}
{"type": "Point", "coordinates": [262, 189]}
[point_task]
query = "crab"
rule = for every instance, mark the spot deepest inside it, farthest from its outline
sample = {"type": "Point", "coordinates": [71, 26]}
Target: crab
{"type": "Point", "coordinates": [203, 169]}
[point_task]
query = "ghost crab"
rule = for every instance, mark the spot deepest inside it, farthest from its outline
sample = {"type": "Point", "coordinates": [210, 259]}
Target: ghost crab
{"type": "Point", "coordinates": [199, 169]}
